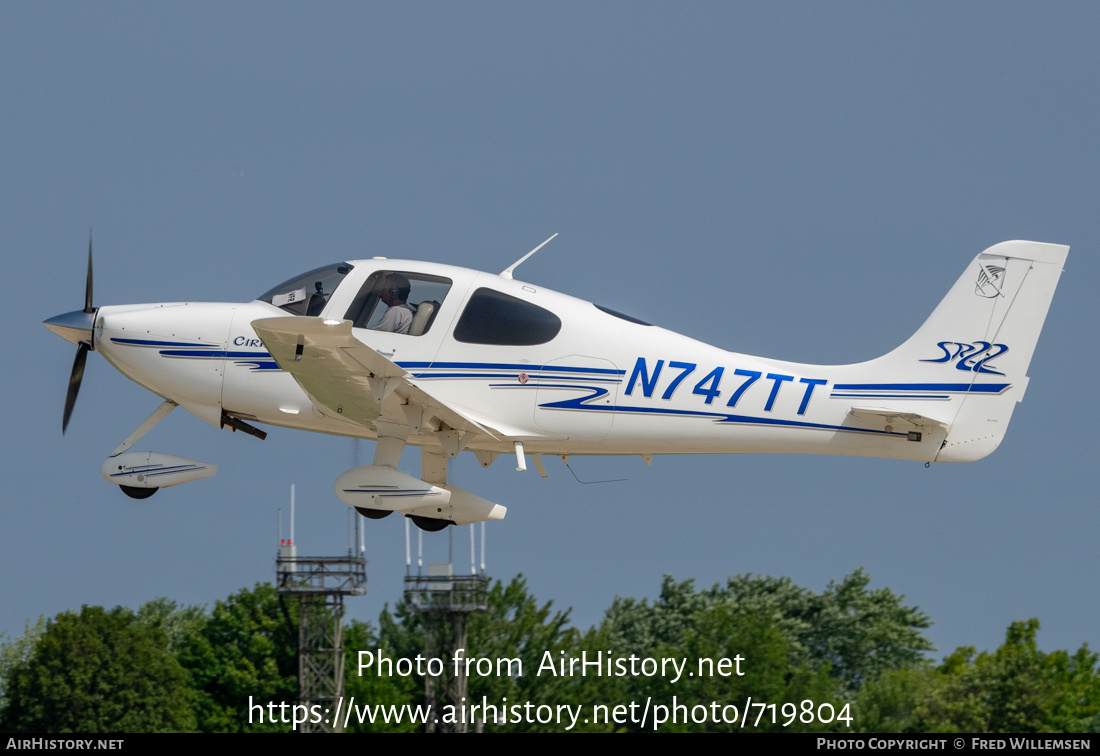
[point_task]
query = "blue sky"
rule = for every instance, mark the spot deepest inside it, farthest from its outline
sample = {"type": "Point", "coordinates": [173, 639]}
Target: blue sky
{"type": "Point", "coordinates": [794, 180]}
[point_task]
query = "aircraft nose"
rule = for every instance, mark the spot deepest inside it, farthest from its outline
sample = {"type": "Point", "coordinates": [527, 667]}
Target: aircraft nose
{"type": "Point", "coordinates": [75, 326]}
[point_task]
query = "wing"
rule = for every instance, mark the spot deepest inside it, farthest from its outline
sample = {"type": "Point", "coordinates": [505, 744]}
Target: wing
{"type": "Point", "coordinates": [345, 375]}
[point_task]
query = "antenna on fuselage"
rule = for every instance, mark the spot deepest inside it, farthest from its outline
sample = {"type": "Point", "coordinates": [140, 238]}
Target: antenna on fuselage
{"type": "Point", "coordinates": [507, 272]}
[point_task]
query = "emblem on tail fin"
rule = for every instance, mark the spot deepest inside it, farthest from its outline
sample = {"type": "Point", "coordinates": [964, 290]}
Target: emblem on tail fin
{"type": "Point", "coordinates": [989, 281]}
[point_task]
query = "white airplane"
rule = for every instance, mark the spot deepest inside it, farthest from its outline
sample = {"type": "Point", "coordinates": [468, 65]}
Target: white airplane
{"type": "Point", "coordinates": [494, 366]}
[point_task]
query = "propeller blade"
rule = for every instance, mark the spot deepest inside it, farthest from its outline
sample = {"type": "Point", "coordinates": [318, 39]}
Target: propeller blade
{"type": "Point", "coordinates": [74, 383]}
{"type": "Point", "coordinates": [88, 286]}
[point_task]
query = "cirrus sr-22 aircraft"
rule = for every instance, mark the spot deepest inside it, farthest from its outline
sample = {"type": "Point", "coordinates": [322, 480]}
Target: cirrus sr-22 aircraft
{"type": "Point", "coordinates": [495, 366]}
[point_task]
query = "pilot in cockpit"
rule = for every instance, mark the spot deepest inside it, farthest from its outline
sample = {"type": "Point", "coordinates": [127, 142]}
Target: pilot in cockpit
{"type": "Point", "coordinates": [399, 316]}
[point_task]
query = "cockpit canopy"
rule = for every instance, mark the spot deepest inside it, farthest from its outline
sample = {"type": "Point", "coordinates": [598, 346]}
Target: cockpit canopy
{"type": "Point", "coordinates": [309, 293]}
{"type": "Point", "coordinates": [489, 317]}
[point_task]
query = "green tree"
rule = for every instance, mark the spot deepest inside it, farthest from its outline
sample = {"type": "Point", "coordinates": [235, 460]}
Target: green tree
{"type": "Point", "coordinates": [889, 702]}
{"type": "Point", "coordinates": [18, 650]}
{"type": "Point", "coordinates": [516, 626]}
{"type": "Point", "coordinates": [850, 629]}
{"type": "Point", "coordinates": [245, 653]}
{"type": "Point", "coordinates": [180, 623]}
{"type": "Point", "coordinates": [1017, 688]}
{"type": "Point", "coordinates": [370, 688]}
{"type": "Point", "coordinates": [98, 671]}
{"type": "Point", "coordinates": [708, 697]}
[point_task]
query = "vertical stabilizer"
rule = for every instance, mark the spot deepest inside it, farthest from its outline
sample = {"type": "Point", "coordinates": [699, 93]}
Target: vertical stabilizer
{"type": "Point", "coordinates": [967, 365]}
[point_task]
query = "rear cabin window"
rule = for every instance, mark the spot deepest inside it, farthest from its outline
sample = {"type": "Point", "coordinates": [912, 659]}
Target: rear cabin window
{"type": "Point", "coordinates": [425, 297]}
{"type": "Point", "coordinates": [495, 318]}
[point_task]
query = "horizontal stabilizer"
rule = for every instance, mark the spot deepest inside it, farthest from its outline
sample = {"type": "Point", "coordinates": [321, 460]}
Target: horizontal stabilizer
{"type": "Point", "coordinates": [892, 416]}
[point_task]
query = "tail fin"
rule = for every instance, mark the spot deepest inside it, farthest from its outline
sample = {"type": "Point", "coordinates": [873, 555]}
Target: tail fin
{"type": "Point", "coordinates": [975, 348]}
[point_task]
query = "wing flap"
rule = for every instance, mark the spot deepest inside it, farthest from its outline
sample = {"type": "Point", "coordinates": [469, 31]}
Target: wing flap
{"type": "Point", "coordinates": [345, 375]}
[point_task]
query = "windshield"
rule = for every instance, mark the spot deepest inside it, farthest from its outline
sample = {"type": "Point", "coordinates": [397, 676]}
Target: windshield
{"type": "Point", "coordinates": [308, 293]}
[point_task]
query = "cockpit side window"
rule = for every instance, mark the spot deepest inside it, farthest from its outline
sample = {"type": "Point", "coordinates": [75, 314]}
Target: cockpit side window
{"type": "Point", "coordinates": [492, 317]}
{"type": "Point", "coordinates": [308, 293]}
{"type": "Point", "coordinates": [417, 294]}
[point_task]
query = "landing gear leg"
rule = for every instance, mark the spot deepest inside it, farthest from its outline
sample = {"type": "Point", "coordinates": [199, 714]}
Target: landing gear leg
{"type": "Point", "coordinates": [158, 414]}
{"type": "Point", "coordinates": [387, 453]}
{"type": "Point", "coordinates": [433, 469]}
{"type": "Point", "coordinates": [147, 425]}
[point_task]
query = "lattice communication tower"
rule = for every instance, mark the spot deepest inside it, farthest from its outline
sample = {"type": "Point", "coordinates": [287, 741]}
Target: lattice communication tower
{"type": "Point", "coordinates": [320, 585]}
{"type": "Point", "coordinates": [445, 601]}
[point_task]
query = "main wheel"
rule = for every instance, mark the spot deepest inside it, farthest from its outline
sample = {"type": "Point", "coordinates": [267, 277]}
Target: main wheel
{"type": "Point", "coordinates": [138, 493]}
{"type": "Point", "coordinates": [374, 514]}
{"type": "Point", "coordinates": [430, 524]}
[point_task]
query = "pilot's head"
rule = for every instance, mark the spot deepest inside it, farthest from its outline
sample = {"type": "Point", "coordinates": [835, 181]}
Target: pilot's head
{"type": "Point", "coordinates": [395, 289]}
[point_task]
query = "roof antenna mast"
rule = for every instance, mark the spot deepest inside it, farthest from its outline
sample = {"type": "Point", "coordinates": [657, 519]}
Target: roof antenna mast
{"type": "Point", "coordinates": [507, 272]}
